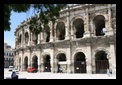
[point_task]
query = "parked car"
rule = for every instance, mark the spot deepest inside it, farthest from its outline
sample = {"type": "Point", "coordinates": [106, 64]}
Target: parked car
{"type": "Point", "coordinates": [31, 70]}
{"type": "Point", "coordinates": [11, 68]}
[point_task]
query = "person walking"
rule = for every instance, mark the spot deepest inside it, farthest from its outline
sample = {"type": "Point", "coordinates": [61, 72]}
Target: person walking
{"type": "Point", "coordinates": [14, 75]}
{"type": "Point", "coordinates": [108, 72]}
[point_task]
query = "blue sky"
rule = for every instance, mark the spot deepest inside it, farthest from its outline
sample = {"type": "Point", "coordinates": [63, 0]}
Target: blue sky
{"type": "Point", "coordinates": [16, 19]}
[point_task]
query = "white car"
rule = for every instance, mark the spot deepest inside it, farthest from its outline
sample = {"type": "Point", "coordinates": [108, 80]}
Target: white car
{"type": "Point", "coordinates": [11, 68]}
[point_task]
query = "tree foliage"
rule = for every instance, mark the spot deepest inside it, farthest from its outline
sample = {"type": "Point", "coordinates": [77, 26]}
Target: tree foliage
{"type": "Point", "coordinates": [46, 13]}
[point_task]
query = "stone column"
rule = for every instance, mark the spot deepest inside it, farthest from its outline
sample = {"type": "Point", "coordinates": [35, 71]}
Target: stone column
{"type": "Point", "coordinates": [72, 65]}
{"type": "Point", "coordinates": [109, 30]}
{"type": "Point", "coordinates": [88, 60]}
{"type": "Point", "coordinates": [56, 65]}
{"type": "Point", "coordinates": [67, 28]}
{"type": "Point", "coordinates": [42, 64]}
{"type": "Point", "coordinates": [51, 31]}
{"type": "Point", "coordinates": [92, 28]}
{"type": "Point", "coordinates": [23, 38]}
{"type": "Point", "coordinates": [29, 58]}
{"type": "Point", "coordinates": [112, 59]}
{"type": "Point", "coordinates": [29, 42]}
{"type": "Point", "coordinates": [39, 64]}
{"type": "Point", "coordinates": [86, 25]}
{"type": "Point", "coordinates": [22, 63]}
{"type": "Point", "coordinates": [39, 35]}
{"type": "Point", "coordinates": [72, 32]}
{"type": "Point", "coordinates": [42, 39]}
{"type": "Point", "coordinates": [32, 43]}
{"type": "Point", "coordinates": [68, 61]}
{"type": "Point", "coordinates": [52, 60]}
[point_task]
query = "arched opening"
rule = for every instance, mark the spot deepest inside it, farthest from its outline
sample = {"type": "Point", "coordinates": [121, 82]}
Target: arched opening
{"type": "Point", "coordinates": [60, 31]}
{"type": "Point", "coordinates": [100, 25]}
{"type": "Point", "coordinates": [101, 62]}
{"type": "Point", "coordinates": [80, 63]}
{"type": "Point", "coordinates": [78, 28]}
{"type": "Point", "coordinates": [47, 33]}
{"type": "Point", "coordinates": [35, 38]}
{"type": "Point", "coordinates": [20, 39]}
{"type": "Point", "coordinates": [47, 66]}
{"type": "Point", "coordinates": [62, 64]}
{"type": "Point", "coordinates": [26, 37]}
{"type": "Point", "coordinates": [25, 63]}
{"type": "Point", "coordinates": [35, 62]}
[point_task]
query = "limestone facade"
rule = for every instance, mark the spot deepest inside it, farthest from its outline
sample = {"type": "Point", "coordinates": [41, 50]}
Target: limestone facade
{"type": "Point", "coordinates": [76, 43]}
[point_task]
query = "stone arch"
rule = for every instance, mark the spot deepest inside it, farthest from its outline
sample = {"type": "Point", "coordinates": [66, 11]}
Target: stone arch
{"type": "Point", "coordinates": [59, 53]}
{"type": "Point", "coordinates": [78, 27]}
{"type": "Point", "coordinates": [102, 49]}
{"type": "Point", "coordinates": [47, 65]}
{"type": "Point", "coordinates": [47, 33]}
{"type": "Point", "coordinates": [79, 62]}
{"type": "Point", "coordinates": [26, 63]}
{"type": "Point", "coordinates": [20, 39]}
{"type": "Point", "coordinates": [60, 30]}
{"type": "Point", "coordinates": [99, 23]}
{"type": "Point", "coordinates": [35, 62]}
{"type": "Point", "coordinates": [101, 61]}
{"type": "Point", "coordinates": [26, 37]}
{"type": "Point", "coordinates": [61, 62]}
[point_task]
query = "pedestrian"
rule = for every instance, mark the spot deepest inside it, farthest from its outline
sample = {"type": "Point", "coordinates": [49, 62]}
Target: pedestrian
{"type": "Point", "coordinates": [14, 75]}
{"type": "Point", "coordinates": [108, 72]}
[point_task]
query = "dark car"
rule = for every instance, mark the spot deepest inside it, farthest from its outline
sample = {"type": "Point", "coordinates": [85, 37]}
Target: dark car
{"type": "Point", "coordinates": [31, 70]}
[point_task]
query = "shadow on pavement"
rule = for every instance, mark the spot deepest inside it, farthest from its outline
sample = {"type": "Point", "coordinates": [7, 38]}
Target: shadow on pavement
{"type": "Point", "coordinates": [18, 78]}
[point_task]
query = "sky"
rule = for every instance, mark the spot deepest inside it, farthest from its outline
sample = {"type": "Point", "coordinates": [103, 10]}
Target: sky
{"type": "Point", "coordinates": [16, 19]}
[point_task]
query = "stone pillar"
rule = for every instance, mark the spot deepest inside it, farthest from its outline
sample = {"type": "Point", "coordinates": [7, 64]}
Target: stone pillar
{"type": "Point", "coordinates": [22, 66]}
{"type": "Point", "coordinates": [52, 60]}
{"type": "Point", "coordinates": [56, 65]}
{"type": "Point", "coordinates": [39, 35]}
{"type": "Point", "coordinates": [42, 64]}
{"type": "Point", "coordinates": [42, 39]}
{"type": "Point", "coordinates": [29, 42]}
{"type": "Point", "coordinates": [72, 66]}
{"type": "Point", "coordinates": [112, 59]}
{"type": "Point", "coordinates": [23, 39]}
{"type": "Point", "coordinates": [109, 29]}
{"type": "Point", "coordinates": [67, 28]}
{"type": "Point", "coordinates": [51, 31]}
{"type": "Point", "coordinates": [68, 61]}
{"type": "Point", "coordinates": [86, 25]}
{"type": "Point", "coordinates": [32, 43]}
{"type": "Point", "coordinates": [72, 32]}
{"type": "Point", "coordinates": [88, 60]}
{"type": "Point", "coordinates": [92, 28]}
{"type": "Point", "coordinates": [93, 64]}
{"type": "Point", "coordinates": [39, 64]}
{"type": "Point", "coordinates": [29, 59]}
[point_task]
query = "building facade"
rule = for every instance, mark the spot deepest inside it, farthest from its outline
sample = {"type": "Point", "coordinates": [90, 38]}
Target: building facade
{"type": "Point", "coordinates": [83, 40]}
{"type": "Point", "coordinates": [8, 56]}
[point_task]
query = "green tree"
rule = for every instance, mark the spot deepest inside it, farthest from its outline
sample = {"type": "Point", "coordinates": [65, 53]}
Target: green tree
{"type": "Point", "coordinates": [46, 12]}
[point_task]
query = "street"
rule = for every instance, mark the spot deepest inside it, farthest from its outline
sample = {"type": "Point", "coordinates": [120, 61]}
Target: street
{"type": "Point", "coordinates": [48, 75]}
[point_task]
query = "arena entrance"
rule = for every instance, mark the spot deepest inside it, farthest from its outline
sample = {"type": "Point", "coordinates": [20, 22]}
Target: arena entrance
{"type": "Point", "coordinates": [47, 66]}
{"type": "Point", "coordinates": [25, 63]}
{"type": "Point", "coordinates": [101, 62]}
{"type": "Point", "coordinates": [62, 64]}
{"type": "Point", "coordinates": [35, 62]}
{"type": "Point", "coordinates": [79, 63]}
